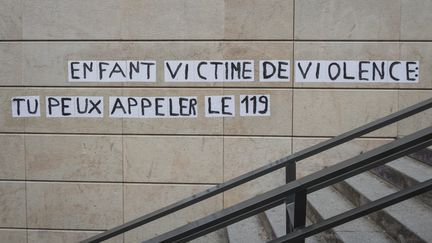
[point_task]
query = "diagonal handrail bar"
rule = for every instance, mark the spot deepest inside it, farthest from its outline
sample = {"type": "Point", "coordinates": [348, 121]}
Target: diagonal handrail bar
{"type": "Point", "coordinates": [356, 213]}
{"type": "Point", "coordinates": [308, 152]}
{"type": "Point", "coordinates": [257, 204]}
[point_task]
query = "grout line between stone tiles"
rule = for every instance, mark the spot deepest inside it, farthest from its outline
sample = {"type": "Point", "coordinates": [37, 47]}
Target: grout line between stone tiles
{"type": "Point", "coordinates": [26, 91]}
{"type": "Point", "coordinates": [25, 184]}
{"type": "Point", "coordinates": [203, 88]}
{"type": "Point", "coordinates": [399, 108]}
{"type": "Point", "coordinates": [399, 86]}
{"type": "Point", "coordinates": [123, 173]}
{"type": "Point", "coordinates": [210, 40]}
{"type": "Point", "coordinates": [50, 229]}
{"type": "Point", "coordinates": [223, 152]}
{"type": "Point", "coordinates": [223, 125]}
{"type": "Point", "coordinates": [182, 135]}
{"type": "Point", "coordinates": [400, 20]}
{"type": "Point", "coordinates": [293, 22]}
{"type": "Point", "coordinates": [25, 173]}
{"type": "Point", "coordinates": [292, 80]}
{"type": "Point", "coordinates": [110, 182]}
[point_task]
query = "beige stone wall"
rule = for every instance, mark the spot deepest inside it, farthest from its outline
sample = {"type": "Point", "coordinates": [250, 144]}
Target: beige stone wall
{"type": "Point", "coordinates": [65, 179]}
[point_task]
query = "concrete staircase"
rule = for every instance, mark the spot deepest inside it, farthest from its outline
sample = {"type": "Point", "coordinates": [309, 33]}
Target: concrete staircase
{"type": "Point", "coordinates": [408, 221]}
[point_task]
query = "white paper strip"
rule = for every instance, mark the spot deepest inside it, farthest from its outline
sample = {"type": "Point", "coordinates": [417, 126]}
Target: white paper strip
{"type": "Point", "coordinates": [209, 71]}
{"type": "Point", "coordinates": [254, 105]}
{"type": "Point", "coordinates": [74, 106]}
{"type": "Point", "coordinates": [357, 71]}
{"type": "Point", "coordinates": [112, 71]}
{"type": "Point", "coordinates": [274, 70]}
{"type": "Point", "coordinates": [153, 107]}
{"type": "Point", "coordinates": [25, 106]}
{"type": "Point", "coordinates": [220, 106]}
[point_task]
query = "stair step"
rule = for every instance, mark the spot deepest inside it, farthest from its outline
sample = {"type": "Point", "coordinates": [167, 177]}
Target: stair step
{"type": "Point", "coordinates": [315, 238]}
{"type": "Point", "coordinates": [274, 222]}
{"type": "Point", "coordinates": [326, 203]}
{"type": "Point", "coordinates": [423, 155]}
{"type": "Point", "coordinates": [219, 236]}
{"type": "Point", "coordinates": [408, 221]}
{"type": "Point", "coordinates": [248, 230]}
{"type": "Point", "coordinates": [406, 172]}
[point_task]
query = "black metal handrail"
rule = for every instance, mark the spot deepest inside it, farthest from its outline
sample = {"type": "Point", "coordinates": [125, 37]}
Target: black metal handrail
{"type": "Point", "coordinates": [288, 162]}
{"type": "Point", "coordinates": [356, 213]}
{"type": "Point", "coordinates": [301, 187]}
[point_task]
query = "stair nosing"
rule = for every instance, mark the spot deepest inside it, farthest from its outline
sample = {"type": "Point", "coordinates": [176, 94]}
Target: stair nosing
{"type": "Point", "coordinates": [257, 222]}
{"type": "Point", "coordinates": [340, 233]}
{"type": "Point", "coordinates": [403, 176]}
{"type": "Point", "coordinates": [389, 212]}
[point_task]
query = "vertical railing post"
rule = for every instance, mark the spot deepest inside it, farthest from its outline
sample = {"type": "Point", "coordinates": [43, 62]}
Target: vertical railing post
{"type": "Point", "coordinates": [300, 211]}
{"type": "Point", "coordinates": [290, 175]}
